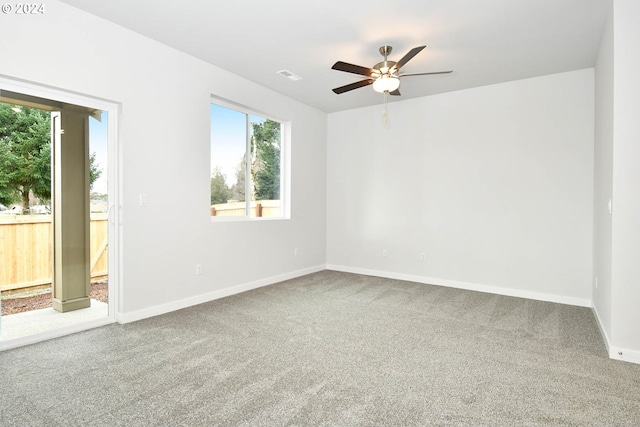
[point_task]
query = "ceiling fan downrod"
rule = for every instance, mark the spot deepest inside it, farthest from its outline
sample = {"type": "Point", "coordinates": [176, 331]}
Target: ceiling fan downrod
{"type": "Point", "coordinates": [385, 51]}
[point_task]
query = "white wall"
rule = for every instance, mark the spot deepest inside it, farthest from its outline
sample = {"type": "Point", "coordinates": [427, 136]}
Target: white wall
{"type": "Point", "coordinates": [494, 184]}
{"type": "Point", "coordinates": [603, 182]}
{"type": "Point", "coordinates": [625, 293]}
{"type": "Point", "coordinates": [164, 143]}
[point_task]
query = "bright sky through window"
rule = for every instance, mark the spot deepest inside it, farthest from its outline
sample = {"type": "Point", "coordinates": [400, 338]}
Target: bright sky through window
{"type": "Point", "coordinates": [228, 136]}
{"type": "Point", "coordinates": [98, 142]}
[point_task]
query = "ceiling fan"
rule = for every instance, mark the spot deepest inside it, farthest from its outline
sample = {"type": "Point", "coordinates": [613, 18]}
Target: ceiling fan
{"type": "Point", "coordinates": [384, 76]}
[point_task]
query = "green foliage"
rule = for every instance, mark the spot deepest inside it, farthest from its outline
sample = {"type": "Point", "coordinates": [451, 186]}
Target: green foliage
{"type": "Point", "coordinates": [265, 143]}
{"type": "Point", "coordinates": [99, 196]}
{"type": "Point", "coordinates": [6, 196]}
{"type": "Point", "coordinates": [94, 170]}
{"type": "Point", "coordinates": [238, 190]}
{"type": "Point", "coordinates": [25, 155]}
{"type": "Point", "coordinates": [220, 192]}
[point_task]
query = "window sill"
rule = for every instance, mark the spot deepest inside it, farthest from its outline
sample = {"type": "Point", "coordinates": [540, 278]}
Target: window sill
{"type": "Point", "coordinates": [222, 219]}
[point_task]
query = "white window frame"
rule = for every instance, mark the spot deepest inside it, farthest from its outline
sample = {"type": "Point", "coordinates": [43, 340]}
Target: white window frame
{"type": "Point", "coordinates": [285, 163]}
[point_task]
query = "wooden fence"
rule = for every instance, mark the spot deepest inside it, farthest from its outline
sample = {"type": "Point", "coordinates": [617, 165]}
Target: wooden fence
{"type": "Point", "coordinates": [26, 252]}
{"type": "Point", "coordinates": [261, 208]}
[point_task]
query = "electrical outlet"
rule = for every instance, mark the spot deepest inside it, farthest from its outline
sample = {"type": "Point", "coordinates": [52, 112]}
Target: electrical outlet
{"type": "Point", "coordinates": [295, 252]}
{"type": "Point", "coordinates": [385, 252]}
{"type": "Point", "coordinates": [198, 269]}
{"type": "Point", "coordinates": [423, 256]}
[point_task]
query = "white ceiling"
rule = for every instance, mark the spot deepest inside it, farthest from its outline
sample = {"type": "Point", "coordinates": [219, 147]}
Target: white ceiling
{"type": "Point", "coordinates": [483, 41]}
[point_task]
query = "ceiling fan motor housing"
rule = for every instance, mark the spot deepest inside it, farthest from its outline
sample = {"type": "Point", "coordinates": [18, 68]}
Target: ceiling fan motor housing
{"type": "Point", "coordinates": [380, 65]}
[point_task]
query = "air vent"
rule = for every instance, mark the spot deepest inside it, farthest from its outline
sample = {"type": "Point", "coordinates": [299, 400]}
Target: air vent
{"type": "Point", "coordinates": [288, 74]}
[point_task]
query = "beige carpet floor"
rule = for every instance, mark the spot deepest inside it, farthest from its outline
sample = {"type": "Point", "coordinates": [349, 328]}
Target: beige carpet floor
{"type": "Point", "coordinates": [330, 349]}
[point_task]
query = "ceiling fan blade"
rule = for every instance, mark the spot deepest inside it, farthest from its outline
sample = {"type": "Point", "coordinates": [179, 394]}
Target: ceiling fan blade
{"type": "Point", "coordinates": [425, 74]}
{"type": "Point", "coordinates": [395, 92]}
{"type": "Point", "coordinates": [350, 68]}
{"type": "Point", "coordinates": [413, 52]}
{"type": "Point", "coordinates": [352, 86]}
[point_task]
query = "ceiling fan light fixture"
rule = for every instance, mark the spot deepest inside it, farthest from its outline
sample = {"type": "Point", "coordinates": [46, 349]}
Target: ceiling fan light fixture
{"type": "Point", "coordinates": [386, 83]}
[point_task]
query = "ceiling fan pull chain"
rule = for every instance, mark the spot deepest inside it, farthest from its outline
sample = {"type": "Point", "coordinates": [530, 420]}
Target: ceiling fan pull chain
{"type": "Point", "coordinates": [385, 117]}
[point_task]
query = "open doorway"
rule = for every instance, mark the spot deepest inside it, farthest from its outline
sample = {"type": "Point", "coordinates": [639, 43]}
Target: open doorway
{"type": "Point", "coordinates": [55, 226]}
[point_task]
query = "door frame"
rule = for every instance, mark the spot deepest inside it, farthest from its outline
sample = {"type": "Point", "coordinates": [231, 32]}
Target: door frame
{"type": "Point", "coordinates": [113, 190]}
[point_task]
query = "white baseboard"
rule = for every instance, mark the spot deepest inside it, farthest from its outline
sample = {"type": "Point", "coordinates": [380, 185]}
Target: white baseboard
{"type": "Point", "coordinates": [603, 331]}
{"type": "Point", "coordinates": [625, 355]}
{"type": "Point", "coordinates": [465, 285]}
{"type": "Point", "coordinates": [210, 296]}
{"type": "Point", "coordinates": [616, 353]}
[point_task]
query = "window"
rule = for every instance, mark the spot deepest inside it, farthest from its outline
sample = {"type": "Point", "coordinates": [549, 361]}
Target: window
{"type": "Point", "coordinates": [246, 164]}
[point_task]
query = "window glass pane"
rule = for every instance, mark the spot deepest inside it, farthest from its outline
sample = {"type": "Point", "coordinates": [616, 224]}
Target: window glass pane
{"type": "Point", "coordinates": [228, 166]}
{"type": "Point", "coordinates": [265, 167]}
{"type": "Point", "coordinates": [246, 153]}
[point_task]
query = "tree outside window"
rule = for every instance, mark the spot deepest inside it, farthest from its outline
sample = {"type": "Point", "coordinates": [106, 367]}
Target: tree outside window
{"type": "Point", "coordinates": [25, 156]}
